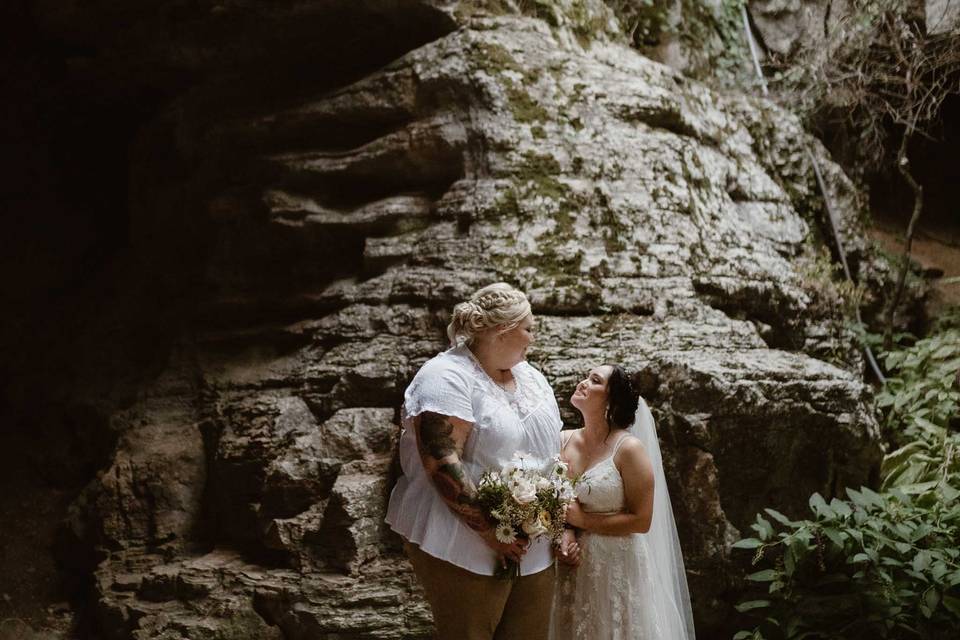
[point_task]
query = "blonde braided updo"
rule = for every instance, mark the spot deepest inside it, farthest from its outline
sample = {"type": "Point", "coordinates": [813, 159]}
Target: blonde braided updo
{"type": "Point", "coordinates": [494, 305]}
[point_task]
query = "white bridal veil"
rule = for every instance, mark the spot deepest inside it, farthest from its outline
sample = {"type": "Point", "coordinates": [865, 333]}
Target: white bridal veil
{"type": "Point", "coordinates": [672, 598]}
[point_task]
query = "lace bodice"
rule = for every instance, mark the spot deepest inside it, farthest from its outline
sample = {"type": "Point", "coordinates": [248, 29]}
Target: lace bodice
{"type": "Point", "coordinates": [600, 489]}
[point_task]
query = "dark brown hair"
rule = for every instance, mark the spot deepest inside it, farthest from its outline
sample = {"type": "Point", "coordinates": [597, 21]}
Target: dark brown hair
{"type": "Point", "coordinates": [622, 399]}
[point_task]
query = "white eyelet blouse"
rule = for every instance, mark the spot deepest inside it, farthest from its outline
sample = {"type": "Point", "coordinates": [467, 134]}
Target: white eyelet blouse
{"type": "Point", "coordinates": [454, 384]}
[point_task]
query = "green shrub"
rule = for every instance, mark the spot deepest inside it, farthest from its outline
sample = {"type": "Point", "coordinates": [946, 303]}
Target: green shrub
{"type": "Point", "coordinates": [922, 386]}
{"type": "Point", "coordinates": [875, 566]}
{"type": "Point", "coordinates": [882, 564]}
{"type": "Point", "coordinates": [918, 403]}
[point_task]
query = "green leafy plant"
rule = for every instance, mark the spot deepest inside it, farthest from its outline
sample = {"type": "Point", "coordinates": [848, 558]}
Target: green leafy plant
{"type": "Point", "coordinates": [874, 566]}
{"type": "Point", "coordinates": [710, 35]}
{"type": "Point", "coordinates": [921, 404]}
{"type": "Point", "coordinates": [882, 564]}
{"type": "Point", "coordinates": [921, 393]}
{"type": "Point", "coordinates": [644, 20]}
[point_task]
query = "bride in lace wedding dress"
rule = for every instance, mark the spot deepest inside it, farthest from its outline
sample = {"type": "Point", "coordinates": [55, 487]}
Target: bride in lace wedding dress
{"type": "Point", "coordinates": [624, 578]}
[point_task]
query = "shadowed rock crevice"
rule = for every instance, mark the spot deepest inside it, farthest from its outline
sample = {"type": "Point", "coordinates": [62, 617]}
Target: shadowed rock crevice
{"type": "Point", "coordinates": [772, 309]}
{"type": "Point", "coordinates": [141, 101]}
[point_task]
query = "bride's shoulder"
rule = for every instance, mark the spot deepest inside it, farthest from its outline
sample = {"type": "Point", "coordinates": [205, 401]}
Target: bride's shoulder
{"type": "Point", "coordinates": [447, 370]}
{"type": "Point", "coordinates": [632, 454]}
{"type": "Point", "coordinates": [631, 446]}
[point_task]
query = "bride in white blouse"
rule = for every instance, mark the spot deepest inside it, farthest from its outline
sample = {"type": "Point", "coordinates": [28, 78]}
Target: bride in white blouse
{"type": "Point", "coordinates": [467, 410]}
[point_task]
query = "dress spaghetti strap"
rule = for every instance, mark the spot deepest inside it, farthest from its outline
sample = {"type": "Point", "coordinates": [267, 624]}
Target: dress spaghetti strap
{"type": "Point", "coordinates": [616, 447]}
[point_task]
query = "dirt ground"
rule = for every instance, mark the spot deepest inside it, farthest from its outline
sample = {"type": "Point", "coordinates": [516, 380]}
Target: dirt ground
{"type": "Point", "coordinates": [935, 248]}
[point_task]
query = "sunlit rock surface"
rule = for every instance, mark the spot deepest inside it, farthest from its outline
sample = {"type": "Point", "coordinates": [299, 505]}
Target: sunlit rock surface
{"type": "Point", "coordinates": [325, 228]}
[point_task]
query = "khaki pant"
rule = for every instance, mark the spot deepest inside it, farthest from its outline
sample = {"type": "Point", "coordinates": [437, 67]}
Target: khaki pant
{"type": "Point", "coordinates": [469, 606]}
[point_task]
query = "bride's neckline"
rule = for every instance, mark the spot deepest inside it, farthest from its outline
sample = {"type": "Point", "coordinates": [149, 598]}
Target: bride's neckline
{"type": "Point", "coordinates": [607, 457]}
{"type": "Point", "coordinates": [597, 464]}
{"type": "Point", "coordinates": [513, 375]}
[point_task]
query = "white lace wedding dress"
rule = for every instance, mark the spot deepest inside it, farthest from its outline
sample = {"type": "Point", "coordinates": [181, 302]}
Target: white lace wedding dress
{"type": "Point", "coordinates": [610, 595]}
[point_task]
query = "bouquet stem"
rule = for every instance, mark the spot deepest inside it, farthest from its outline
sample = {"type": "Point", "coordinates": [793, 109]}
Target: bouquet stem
{"type": "Point", "coordinates": [507, 570]}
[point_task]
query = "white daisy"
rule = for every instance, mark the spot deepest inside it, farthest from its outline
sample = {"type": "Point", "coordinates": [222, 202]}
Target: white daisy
{"type": "Point", "coordinates": [505, 534]}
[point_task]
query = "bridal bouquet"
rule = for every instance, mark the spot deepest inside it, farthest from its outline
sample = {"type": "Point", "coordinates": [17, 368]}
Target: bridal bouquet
{"type": "Point", "coordinates": [525, 499]}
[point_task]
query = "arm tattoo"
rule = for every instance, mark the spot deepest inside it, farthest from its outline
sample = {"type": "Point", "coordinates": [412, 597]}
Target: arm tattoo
{"type": "Point", "coordinates": [436, 436]}
{"type": "Point", "coordinates": [441, 457]}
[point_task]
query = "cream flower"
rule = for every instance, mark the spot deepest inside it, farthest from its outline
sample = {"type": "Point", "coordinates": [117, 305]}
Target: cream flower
{"type": "Point", "coordinates": [533, 527]}
{"type": "Point", "coordinates": [505, 534]}
{"type": "Point", "coordinates": [524, 491]}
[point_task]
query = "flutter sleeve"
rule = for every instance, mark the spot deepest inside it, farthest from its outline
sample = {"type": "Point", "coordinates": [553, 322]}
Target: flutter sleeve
{"type": "Point", "coordinates": [441, 386]}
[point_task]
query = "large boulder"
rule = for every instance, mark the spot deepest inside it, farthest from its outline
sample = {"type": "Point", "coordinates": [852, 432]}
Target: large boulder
{"type": "Point", "coordinates": [326, 229]}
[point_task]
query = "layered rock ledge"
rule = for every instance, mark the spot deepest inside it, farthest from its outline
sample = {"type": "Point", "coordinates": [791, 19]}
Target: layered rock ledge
{"type": "Point", "coordinates": [653, 222]}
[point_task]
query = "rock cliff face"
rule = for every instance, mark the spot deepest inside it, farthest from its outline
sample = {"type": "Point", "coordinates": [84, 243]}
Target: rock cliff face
{"type": "Point", "coordinates": [786, 27]}
{"type": "Point", "coordinates": [320, 221]}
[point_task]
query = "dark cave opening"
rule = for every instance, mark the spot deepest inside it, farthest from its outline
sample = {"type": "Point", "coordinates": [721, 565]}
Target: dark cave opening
{"type": "Point", "coordinates": [935, 164]}
{"type": "Point", "coordinates": [935, 250]}
{"type": "Point", "coordinates": [935, 244]}
{"type": "Point", "coordinates": [65, 207]}
{"type": "Point", "coordinates": [92, 309]}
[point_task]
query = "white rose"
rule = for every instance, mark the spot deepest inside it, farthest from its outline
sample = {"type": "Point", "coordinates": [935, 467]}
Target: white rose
{"type": "Point", "coordinates": [524, 491]}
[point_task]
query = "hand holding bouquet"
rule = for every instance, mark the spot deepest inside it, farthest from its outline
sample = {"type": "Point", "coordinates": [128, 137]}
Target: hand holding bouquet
{"type": "Point", "coordinates": [525, 499]}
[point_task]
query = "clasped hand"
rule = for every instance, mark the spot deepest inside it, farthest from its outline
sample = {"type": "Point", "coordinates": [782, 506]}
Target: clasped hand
{"type": "Point", "coordinates": [568, 549]}
{"type": "Point", "coordinates": [507, 551]}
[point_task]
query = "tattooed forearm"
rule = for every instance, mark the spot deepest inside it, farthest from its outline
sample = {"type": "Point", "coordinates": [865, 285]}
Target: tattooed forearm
{"type": "Point", "coordinates": [459, 493]}
{"type": "Point", "coordinates": [440, 451]}
{"type": "Point", "coordinates": [457, 487]}
{"type": "Point", "coordinates": [436, 436]}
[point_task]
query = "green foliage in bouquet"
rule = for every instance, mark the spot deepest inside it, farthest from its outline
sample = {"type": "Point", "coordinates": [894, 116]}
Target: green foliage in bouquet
{"type": "Point", "coordinates": [881, 564]}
